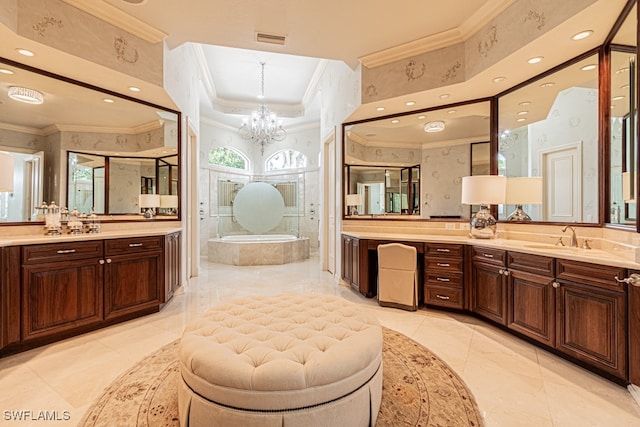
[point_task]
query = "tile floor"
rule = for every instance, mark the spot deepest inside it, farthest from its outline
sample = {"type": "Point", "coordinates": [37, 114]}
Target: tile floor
{"type": "Point", "coordinates": [515, 384]}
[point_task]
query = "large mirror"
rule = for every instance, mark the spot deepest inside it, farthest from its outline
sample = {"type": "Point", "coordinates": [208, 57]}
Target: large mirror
{"type": "Point", "coordinates": [425, 153]}
{"type": "Point", "coordinates": [61, 117]}
{"type": "Point", "coordinates": [548, 128]}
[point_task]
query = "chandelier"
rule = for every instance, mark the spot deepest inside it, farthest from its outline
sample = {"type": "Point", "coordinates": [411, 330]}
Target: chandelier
{"type": "Point", "coordinates": [263, 127]}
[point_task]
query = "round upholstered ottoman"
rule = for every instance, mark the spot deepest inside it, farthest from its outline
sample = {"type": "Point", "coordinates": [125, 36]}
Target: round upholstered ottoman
{"type": "Point", "coordinates": [286, 360]}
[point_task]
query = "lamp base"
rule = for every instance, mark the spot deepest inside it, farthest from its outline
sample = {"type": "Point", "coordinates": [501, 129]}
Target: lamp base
{"type": "Point", "coordinates": [148, 213]}
{"type": "Point", "coordinates": [518, 215]}
{"type": "Point", "coordinates": [483, 224]}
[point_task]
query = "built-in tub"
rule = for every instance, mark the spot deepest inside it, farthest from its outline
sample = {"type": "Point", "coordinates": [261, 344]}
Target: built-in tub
{"type": "Point", "coordinates": [262, 249]}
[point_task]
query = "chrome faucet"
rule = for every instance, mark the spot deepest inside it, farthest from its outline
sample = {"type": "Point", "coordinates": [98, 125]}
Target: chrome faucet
{"type": "Point", "coordinates": [296, 232]}
{"type": "Point", "coordinates": [574, 240]}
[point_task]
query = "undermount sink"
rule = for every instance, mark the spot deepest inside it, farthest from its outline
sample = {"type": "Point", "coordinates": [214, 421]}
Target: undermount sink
{"type": "Point", "coordinates": [550, 247]}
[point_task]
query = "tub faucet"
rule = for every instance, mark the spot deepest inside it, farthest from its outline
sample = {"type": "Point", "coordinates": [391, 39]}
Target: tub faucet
{"type": "Point", "coordinates": [296, 232]}
{"type": "Point", "coordinates": [574, 240]}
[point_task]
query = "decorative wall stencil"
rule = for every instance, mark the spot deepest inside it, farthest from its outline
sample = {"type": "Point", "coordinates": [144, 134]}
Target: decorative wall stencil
{"type": "Point", "coordinates": [123, 52]}
{"type": "Point", "coordinates": [451, 72]}
{"type": "Point", "coordinates": [537, 17]}
{"type": "Point", "coordinates": [574, 121]}
{"type": "Point", "coordinates": [414, 71]}
{"type": "Point", "coordinates": [121, 140]}
{"type": "Point", "coordinates": [371, 91]}
{"type": "Point", "coordinates": [46, 22]}
{"type": "Point", "coordinates": [489, 41]}
{"type": "Point", "coordinates": [507, 141]}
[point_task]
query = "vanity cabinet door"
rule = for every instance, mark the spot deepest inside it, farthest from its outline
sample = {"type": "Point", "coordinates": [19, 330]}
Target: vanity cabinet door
{"type": "Point", "coordinates": [61, 297]}
{"type": "Point", "coordinates": [532, 308]}
{"type": "Point", "coordinates": [347, 265]}
{"type": "Point", "coordinates": [134, 278]}
{"type": "Point", "coordinates": [591, 326]}
{"type": "Point", "coordinates": [171, 265]}
{"type": "Point", "coordinates": [489, 292]}
{"type": "Point", "coordinates": [9, 296]}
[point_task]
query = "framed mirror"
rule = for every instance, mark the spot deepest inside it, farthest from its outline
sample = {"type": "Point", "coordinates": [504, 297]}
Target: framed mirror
{"type": "Point", "coordinates": [548, 128]}
{"type": "Point", "coordinates": [426, 152]}
{"type": "Point", "coordinates": [64, 116]}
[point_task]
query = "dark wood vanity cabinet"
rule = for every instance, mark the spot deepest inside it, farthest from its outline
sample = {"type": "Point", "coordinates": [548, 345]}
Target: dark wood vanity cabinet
{"type": "Point", "coordinates": [9, 296]}
{"type": "Point", "coordinates": [134, 275]}
{"type": "Point", "coordinates": [444, 275]}
{"type": "Point", "coordinates": [171, 265]}
{"type": "Point", "coordinates": [592, 315]}
{"type": "Point", "coordinates": [634, 333]}
{"type": "Point", "coordinates": [488, 283]}
{"type": "Point", "coordinates": [354, 251]}
{"type": "Point", "coordinates": [62, 285]}
{"type": "Point", "coordinates": [531, 296]}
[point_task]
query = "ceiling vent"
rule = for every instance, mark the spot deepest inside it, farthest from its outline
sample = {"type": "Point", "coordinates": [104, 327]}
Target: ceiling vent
{"type": "Point", "coordinates": [270, 38]}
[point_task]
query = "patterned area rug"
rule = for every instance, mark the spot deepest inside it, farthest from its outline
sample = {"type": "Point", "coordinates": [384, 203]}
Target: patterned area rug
{"type": "Point", "coordinates": [419, 389]}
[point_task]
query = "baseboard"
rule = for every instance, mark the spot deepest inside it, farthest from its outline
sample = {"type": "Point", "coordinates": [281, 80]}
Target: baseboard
{"type": "Point", "coordinates": [635, 392]}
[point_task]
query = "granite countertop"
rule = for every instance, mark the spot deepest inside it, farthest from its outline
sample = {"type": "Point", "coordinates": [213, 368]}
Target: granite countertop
{"type": "Point", "coordinates": [33, 239]}
{"type": "Point", "coordinates": [597, 256]}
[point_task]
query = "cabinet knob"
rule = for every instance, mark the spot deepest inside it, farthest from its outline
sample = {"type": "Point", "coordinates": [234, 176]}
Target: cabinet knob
{"type": "Point", "coordinates": [487, 255]}
{"type": "Point", "coordinates": [555, 284]}
{"type": "Point", "coordinates": [501, 271]}
{"type": "Point", "coordinates": [108, 260]}
{"type": "Point", "coordinates": [101, 262]}
{"type": "Point", "coordinates": [633, 280]}
{"type": "Point", "coordinates": [506, 272]}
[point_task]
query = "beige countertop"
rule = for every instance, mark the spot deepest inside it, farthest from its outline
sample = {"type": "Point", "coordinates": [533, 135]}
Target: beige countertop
{"type": "Point", "coordinates": [597, 256]}
{"type": "Point", "coordinates": [33, 239]}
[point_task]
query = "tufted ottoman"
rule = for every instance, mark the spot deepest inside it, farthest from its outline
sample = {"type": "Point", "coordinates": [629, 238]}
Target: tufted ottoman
{"type": "Point", "coordinates": [287, 360]}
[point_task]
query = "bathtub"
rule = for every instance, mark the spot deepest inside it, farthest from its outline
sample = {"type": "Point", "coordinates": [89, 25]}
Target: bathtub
{"type": "Point", "coordinates": [264, 249]}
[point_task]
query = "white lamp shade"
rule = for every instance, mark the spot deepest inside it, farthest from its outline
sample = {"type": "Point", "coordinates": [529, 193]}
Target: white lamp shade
{"type": "Point", "coordinates": [626, 188]}
{"type": "Point", "coordinates": [168, 201]}
{"type": "Point", "coordinates": [524, 190]}
{"type": "Point", "coordinates": [6, 172]}
{"type": "Point", "coordinates": [484, 189]}
{"type": "Point", "coordinates": [354, 199]}
{"type": "Point", "coordinates": [149, 200]}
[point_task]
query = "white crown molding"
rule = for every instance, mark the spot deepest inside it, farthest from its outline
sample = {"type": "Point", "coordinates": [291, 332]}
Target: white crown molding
{"type": "Point", "coordinates": [120, 19]}
{"type": "Point", "coordinates": [23, 129]}
{"type": "Point", "coordinates": [205, 72]}
{"type": "Point", "coordinates": [484, 15]}
{"type": "Point", "coordinates": [452, 142]}
{"type": "Point", "coordinates": [312, 88]}
{"type": "Point", "coordinates": [147, 127]}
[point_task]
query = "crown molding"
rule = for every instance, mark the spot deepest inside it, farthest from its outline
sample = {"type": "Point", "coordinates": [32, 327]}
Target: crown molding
{"type": "Point", "coordinates": [23, 129]}
{"type": "Point", "coordinates": [120, 19]}
{"type": "Point", "coordinates": [484, 15]}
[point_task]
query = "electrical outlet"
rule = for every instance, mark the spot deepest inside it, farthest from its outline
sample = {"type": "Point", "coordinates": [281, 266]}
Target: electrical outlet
{"type": "Point", "coordinates": [449, 226]}
{"type": "Point", "coordinates": [464, 226]}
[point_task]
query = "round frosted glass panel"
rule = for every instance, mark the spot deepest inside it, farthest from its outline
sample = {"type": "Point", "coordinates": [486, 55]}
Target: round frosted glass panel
{"type": "Point", "coordinates": [258, 207]}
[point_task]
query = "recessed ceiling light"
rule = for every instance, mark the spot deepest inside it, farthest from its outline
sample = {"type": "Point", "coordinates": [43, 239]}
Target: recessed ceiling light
{"type": "Point", "coordinates": [394, 121]}
{"type": "Point", "coordinates": [108, 100]}
{"type": "Point", "coordinates": [522, 113]}
{"type": "Point", "coordinates": [624, 87]}
{"type": "Point", "coordinates": [582, 35]}
{"type": "Point", "coordinates": [521, 119]}
{"type": "Point", "coordinates": [452, 111]}
{"type": "Point", "coordinates": [617, 98]}
{"type": "Point", "coordinates": [535, 60]}
{"type": "Point", "coordinates": [380, 109]}
{"type": "Point", "coordinates": [444, 96]}
{"type": "Point", "coordinates": [134, 89]}
{"type": "Point", "coordinates": [524, 103]}
{"type": "Point", "coordinates": [410, 103]}
{"type": "Point", "coordinates": [25, 52]}
{"type": "Point", "coordinates": [499, 79]}
{"type": "Point", "coordinates": [24, 94]}
{"type": "Point", "coordinates": [547, 84]}
{"type": "Point", "coordinates": [436, 126]}
{"type": "Point", "coordinates": [138, 2]}
{"type": "Point", "coordinates": [589, 67]}
{"type": "Point", "coordinates": [422, 117]}
{"type": "Point", "coordinates": [5, 71]}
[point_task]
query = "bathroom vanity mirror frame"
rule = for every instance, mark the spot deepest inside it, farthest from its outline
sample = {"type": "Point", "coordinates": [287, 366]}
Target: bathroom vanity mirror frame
{"type": "Point", "coordinates": [118, 124]}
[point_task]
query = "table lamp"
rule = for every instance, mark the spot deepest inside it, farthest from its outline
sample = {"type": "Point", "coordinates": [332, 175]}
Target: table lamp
{"type": "Point", "coordinates": [483, 190]}
{"type": "Point", "coordinates": [352, 201]}
{"type": "Point", "coordinates": [169, 202]}
{"type": "Point", "coordinates": [523, 191]}
{"type": "Point", "coordinates": [149, 202]}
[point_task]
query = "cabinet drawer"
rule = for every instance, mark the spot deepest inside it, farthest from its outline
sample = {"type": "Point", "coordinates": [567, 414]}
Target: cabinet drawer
{"type": "Point", "coordinates": [135, 244]}
{"type": "Point", "coordinates": [590, 274]}
{"type": "Point", "coordinates": [57, 252]}
{"type": "Point", "coordinates": [489, 255]}
{"type": "Point", "coordinates": [443, 249]}
{"type": "Point", "coordinates": [535, 264]}
{"type": "Point", "coordinates": [443, 296]}
{"type": "Point", "coordinates": [443, 278]}
{"type": "Point", "coordinates": [447, 264]}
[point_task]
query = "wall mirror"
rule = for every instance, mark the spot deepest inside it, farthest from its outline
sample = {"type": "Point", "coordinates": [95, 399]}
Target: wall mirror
{"type": "Point", "coordinates": [67, 116]}
{"type": "Point", "coordinates": [432, 147]}
{"type": "Point", "coordinates": [548, 128]}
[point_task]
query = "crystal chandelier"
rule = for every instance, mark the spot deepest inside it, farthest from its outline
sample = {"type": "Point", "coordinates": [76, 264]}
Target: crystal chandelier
{"type": "Point", "coordinates": [263, 127]}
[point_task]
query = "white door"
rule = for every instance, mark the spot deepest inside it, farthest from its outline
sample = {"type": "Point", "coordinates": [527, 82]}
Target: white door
{"type": "Point", "coordinates": [562, 172]}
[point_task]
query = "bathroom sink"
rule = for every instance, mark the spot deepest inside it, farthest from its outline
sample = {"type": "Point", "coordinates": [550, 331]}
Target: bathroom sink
{"type": "Point", "coordinates": [550, 247]}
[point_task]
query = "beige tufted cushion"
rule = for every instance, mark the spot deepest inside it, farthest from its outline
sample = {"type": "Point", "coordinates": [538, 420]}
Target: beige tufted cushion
{"type": "Point", "coordinates": [280, 352]}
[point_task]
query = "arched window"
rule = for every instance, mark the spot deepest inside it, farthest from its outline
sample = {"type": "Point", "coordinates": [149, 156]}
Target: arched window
{"type": "Point", "coordinates": [286, 159]}
{"type": "Point", "coordinates": [229, 157]}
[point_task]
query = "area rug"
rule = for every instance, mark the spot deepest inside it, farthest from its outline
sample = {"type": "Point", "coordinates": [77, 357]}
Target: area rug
{"type": "Point", "coordinates": [418, 389]}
